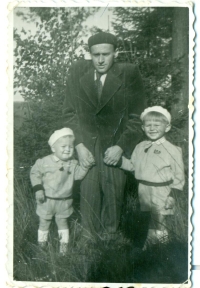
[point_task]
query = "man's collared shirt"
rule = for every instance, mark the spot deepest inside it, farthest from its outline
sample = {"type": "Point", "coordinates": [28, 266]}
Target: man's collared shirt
{"type": "Point", "coordinates": [102, 78]}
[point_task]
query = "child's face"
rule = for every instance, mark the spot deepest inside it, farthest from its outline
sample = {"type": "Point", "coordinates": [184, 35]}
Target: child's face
{"type": "Point", "coordinates": [63, 148]}
{"type": "Point", "coordinates": [155, 128]}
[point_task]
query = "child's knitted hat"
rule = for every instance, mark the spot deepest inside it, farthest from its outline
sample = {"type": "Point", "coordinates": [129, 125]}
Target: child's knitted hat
{"type": "Point", "coordinates": [59, 133]}
{"type": "Point", "coordinates": [159, 109]}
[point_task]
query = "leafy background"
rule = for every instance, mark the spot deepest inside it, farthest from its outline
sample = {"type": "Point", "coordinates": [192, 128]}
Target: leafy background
{"type": "Point", "coordinates": [146, 37]}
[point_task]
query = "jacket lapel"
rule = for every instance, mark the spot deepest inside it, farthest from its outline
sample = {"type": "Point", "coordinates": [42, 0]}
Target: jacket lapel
{"type": "Point", "coordinates": [112, 83]}
{"type": "Point", "coordinates": [88, 85]}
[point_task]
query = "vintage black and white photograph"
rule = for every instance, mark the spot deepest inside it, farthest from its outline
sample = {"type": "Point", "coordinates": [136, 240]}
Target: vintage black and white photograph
{"type": "Point", "coordinates": [102, 145]}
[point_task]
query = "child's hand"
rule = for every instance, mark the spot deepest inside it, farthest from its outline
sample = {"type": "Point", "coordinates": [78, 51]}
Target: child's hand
{"type": "Point", "coordinates": [91, 162]}
{"type": "Point", "coordinates": [40, 197]}
{"type": "Point", "coordinates": [170, 203]}
{"type": "Point", "coordinates": [90, 165]}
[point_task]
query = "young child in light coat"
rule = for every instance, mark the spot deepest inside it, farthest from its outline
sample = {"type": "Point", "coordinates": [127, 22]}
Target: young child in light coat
{"type": "Point", "coordinates": [52, 178]}
{"type": "Point", "coordinates": [158, 167]}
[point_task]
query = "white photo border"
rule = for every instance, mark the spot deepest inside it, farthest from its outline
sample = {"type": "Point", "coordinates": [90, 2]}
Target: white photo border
{"type": "Point", "coordinates": [68, 3]}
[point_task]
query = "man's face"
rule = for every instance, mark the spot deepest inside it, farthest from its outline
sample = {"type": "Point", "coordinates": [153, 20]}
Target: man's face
{"type": "Point", "coordinates": [103, 57]}
{"type": "Point", "coordinates": [63, 148]}
{"type": "Point", "coordinates": [155, 129]}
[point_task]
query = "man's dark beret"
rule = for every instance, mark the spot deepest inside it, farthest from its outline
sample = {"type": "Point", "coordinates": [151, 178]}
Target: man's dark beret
{"type": "Point", "coordinates": [102, 38]}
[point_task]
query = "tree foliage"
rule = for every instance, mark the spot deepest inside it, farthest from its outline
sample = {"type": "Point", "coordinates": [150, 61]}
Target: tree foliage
{"type": "Point", "coordinates": [145, 37]}
{"type": "Point", "coordinates": [42, 60]}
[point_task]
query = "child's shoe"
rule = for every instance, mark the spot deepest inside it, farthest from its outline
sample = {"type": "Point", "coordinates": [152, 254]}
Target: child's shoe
{"type": "Point", "coordinates": [150, 240]}
{"type": "Point", "coordinates": [155, 237]}
{"type": "Point", "coordinates": [64, 239]}
{"type": "Point", "coordinates": [63, 248]}
{"type": "Point", "coordinates": [42, 239]}
{"type": "Point", "coordinates": [162, 236]}
{"type": "Point", "coordinates": [43, 245]}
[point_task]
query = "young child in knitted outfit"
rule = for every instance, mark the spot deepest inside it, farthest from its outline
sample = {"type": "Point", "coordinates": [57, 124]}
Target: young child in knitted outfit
{"type": "Point", "coordinates": [52, 178]}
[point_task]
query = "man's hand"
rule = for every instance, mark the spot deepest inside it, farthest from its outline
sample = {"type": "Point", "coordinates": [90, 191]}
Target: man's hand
{"type": "Point", "coordinates": [85, 157]}
{"type": "Point", "coordinates": [40, 197]}
{"type": "Point", "coordinates": [112, 155]}
{"type": "Point", "coordinates": [92, 161]}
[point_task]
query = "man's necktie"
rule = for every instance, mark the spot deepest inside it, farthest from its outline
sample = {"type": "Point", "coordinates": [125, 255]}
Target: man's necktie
{"type": "Point", "coordinates": [99, 86]}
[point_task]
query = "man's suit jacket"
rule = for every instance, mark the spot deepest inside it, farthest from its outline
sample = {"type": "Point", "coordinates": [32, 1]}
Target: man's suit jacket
{"type": "Point", "coordinates": [115, 120]}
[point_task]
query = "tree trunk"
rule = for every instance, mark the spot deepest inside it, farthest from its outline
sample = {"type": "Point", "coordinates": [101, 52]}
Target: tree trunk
{"type": "Point", "coordinates": [180, 50]}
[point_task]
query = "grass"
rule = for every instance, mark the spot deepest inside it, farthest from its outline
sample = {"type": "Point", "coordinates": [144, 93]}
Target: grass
{"type": "Point", "coordinates": [101, 261]}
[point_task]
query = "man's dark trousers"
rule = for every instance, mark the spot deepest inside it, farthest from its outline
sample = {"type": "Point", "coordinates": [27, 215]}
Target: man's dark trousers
{"type": "Point", "coordinates": [102, 192]}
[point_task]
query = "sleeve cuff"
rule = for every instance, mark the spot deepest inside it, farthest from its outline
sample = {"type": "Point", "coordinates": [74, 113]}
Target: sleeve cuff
{"type": "Point", "coordinates": [119, 163]}
{"type": "Point", "coordinates": [37, 188]}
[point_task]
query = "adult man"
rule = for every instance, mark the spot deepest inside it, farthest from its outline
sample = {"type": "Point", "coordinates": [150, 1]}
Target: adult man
{"type": "Point", "coordinates": [102, 105]}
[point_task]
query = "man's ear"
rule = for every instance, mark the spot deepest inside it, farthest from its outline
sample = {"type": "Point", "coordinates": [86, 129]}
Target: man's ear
{"type": "Point", "coordinates": [142, 127]}
{"type": "Point", "coordinates": [52, 149]}
{"type": "Point", "coordinates": [88, 56]}
{"type": "Point", "coordinates": [168, 128]}
{"type": "Point", "coordinates": [116, 53]}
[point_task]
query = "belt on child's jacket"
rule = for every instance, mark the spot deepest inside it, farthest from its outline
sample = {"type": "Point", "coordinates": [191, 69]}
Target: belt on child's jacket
{"type": "Point", "coordinates": [64, 198]}
{"type": "Point", "coordinates": [161, 184]}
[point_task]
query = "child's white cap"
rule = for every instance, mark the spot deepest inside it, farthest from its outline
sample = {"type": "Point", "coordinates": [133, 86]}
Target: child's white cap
{"type": "Point", "coordinates": [59, 133]}
{"type": "Point", "coordinates": [159, 109]}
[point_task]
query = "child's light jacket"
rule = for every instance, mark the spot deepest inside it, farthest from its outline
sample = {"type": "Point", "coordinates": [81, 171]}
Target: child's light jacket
{"type": "Point", "coordinates": [157, 162]}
